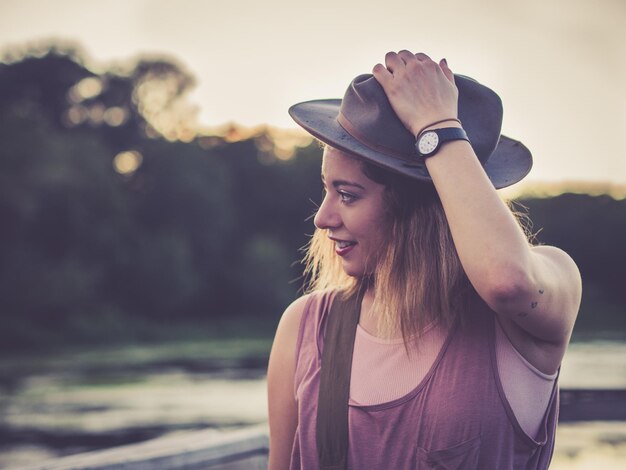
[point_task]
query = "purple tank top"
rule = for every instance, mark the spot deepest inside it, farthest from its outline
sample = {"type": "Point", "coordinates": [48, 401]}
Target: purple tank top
{"type": "Point", "coordinates": [456, 418]}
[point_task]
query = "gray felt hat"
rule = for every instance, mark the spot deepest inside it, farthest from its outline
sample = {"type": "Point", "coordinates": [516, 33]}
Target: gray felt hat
{"type": "Point", "coordinates": [364, 124]}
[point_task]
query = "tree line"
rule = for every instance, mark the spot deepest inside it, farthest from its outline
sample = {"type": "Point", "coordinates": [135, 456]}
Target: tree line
{"type": "Point", "coordinates": [104, 216]}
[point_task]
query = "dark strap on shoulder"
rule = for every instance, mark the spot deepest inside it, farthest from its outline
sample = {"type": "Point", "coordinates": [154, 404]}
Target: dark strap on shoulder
{"type": "Point", "coordinates": [332, 405]}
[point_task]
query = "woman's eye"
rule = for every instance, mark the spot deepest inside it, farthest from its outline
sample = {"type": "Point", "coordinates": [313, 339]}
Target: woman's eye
{"type": "Point", "coordinates": [346, 197]}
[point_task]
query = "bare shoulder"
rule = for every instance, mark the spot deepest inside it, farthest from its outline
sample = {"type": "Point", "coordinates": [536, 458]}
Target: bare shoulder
{"type": "Point", "coordinates": [292, 316]}
{"type": "Point", "coordinates": [287, 331]}
{"type": "Point", "coordinates": [282, 361]}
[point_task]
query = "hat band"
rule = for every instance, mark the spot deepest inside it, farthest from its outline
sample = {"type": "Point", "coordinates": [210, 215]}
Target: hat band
{"type": "Point", "coordinates": [350, 129]}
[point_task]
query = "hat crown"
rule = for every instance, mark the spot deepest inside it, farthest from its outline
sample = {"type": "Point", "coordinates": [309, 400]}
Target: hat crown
{"type": "Point", "coordinates": [370, 116]}
{"type": "Point", "coordinates": [367, 115]}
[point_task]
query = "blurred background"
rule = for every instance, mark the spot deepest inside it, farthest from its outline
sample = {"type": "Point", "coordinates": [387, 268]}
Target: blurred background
{"type": "Point", "coordinates": [154, 196]}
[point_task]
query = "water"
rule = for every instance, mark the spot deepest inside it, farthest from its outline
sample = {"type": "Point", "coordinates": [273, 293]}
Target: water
{"type": "Point", "coordinates": [46, 414]}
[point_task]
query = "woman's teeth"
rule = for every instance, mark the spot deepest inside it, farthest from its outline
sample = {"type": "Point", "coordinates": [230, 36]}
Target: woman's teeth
{"type": "Point", "coordinates": [342, 244]}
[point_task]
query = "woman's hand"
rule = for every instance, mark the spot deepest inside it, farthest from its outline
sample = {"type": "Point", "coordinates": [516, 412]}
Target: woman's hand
{"type": "Point", "coordinates": [420, 90]}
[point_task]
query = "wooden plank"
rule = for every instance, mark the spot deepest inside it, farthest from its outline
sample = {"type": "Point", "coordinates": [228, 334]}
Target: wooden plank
{"type": "Point", "coordinates": [234, 450]}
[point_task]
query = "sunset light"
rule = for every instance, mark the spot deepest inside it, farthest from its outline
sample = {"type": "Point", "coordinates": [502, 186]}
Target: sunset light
{"type": "Point", "coordinates": [554, 64]}
{"type": "Point", "coordinates": [127, 162]}
{"type": "Point", "coordinates": [171, 240]}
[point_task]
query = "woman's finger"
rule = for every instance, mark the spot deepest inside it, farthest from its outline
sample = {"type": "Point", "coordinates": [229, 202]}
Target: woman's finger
{"type": "Point", "coordinates": [422, 57]}
{"type": "Point", "coordinates": [393, 62]}
{"type": "Point", "coordinates": [406, 56]}
{"type": "Point", "coordinates": [443, 63]}
{"type": "Point", "coordinates": [382, 74]}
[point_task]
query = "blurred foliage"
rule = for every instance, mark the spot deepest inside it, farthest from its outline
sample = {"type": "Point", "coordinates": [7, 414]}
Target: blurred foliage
{"type": "Point", "coordinates": [198, 228]}
{"type": "Point", "coordinates": [196, 232]}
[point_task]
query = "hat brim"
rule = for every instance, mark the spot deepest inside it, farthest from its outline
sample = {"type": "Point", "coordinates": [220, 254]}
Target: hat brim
{"type": "Point", "coordinates": [509, 163]}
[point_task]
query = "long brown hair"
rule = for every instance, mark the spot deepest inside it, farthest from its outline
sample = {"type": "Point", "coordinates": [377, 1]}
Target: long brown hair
{"type": "Point", "coordinates": [419, 277]}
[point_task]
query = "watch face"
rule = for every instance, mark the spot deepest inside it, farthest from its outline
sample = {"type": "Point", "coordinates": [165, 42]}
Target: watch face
{"type": "Point", "coordinates": [428, 142]}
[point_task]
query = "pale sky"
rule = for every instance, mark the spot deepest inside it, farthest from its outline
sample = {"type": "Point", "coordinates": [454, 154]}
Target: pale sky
{"type": "Point", "coordinates": [559, 66]}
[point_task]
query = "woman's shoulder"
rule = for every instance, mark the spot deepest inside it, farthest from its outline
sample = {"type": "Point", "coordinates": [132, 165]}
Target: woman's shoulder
{"type": "Point", "coordinates": [315, 301]}
{"type": "Point", "coordinates": [289, 331]}
{"type": "Point", "coordinates": [294, 312]}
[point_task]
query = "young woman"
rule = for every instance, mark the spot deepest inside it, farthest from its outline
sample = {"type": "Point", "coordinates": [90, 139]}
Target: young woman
{"type": "Point", "coordinates": [463, 324]}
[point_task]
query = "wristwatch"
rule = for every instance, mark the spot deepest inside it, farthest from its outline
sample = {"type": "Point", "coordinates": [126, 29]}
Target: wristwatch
{"type": "Point", "coordinates": [429, 142]}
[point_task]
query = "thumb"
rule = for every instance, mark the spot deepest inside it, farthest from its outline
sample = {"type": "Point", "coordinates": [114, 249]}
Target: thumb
{"type": "Point", "coordinates": [381, 74]}
{"type": "Point", "coordinates": [443, 63]}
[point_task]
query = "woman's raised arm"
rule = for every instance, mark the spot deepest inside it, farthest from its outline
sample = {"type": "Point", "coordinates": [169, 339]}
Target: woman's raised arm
{"type": "Point", "coordinates": [537, 288]}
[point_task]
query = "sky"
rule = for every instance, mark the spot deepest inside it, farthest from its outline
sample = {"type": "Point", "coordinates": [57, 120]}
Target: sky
{"type": "Point", "coordinates": [559, 66]}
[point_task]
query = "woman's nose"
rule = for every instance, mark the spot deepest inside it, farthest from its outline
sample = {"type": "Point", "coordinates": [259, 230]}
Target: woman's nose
{"type": "Point", "coordinates": [326, 217]}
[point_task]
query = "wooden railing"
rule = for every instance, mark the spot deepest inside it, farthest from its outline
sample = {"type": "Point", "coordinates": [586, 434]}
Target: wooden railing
{"type": "Point", "coordinates": [244, 449]}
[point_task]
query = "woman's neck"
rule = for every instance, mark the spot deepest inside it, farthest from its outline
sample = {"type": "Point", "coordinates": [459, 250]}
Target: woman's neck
{"type": "Point", "coordinates": [368, 319]}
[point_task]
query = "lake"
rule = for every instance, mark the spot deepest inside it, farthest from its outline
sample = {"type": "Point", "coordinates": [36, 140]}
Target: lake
{"type": "Point", "coordinates": [97, 399]}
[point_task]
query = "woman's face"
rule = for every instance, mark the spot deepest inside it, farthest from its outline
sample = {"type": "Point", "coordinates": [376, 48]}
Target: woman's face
{"type": "Point", "coordinates": [353, 212]}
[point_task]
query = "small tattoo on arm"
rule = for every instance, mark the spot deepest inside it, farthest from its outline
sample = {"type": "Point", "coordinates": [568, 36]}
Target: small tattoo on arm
{"type": "Point", "coordinates": [533, 304]}
{"type": "Point", "coordinates": [522, 314]}
{"type": "Point", "coordinates": [541, 291]}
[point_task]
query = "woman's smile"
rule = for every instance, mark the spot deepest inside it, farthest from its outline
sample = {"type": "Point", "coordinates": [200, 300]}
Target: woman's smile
{"type": "Point", "coordinates": [343, 247]}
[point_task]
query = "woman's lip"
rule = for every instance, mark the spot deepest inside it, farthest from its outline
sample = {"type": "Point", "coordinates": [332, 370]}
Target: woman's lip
{"type": "Point", "coordinates": [336, 240]}
{"type": "Point", "coordinates": [344, 251]}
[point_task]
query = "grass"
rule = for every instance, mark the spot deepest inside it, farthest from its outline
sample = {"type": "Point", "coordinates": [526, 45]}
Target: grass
{"type": "Point", "coordinates": [98, 346]}
{"type": "Point", "coordinates": [103, 359]}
